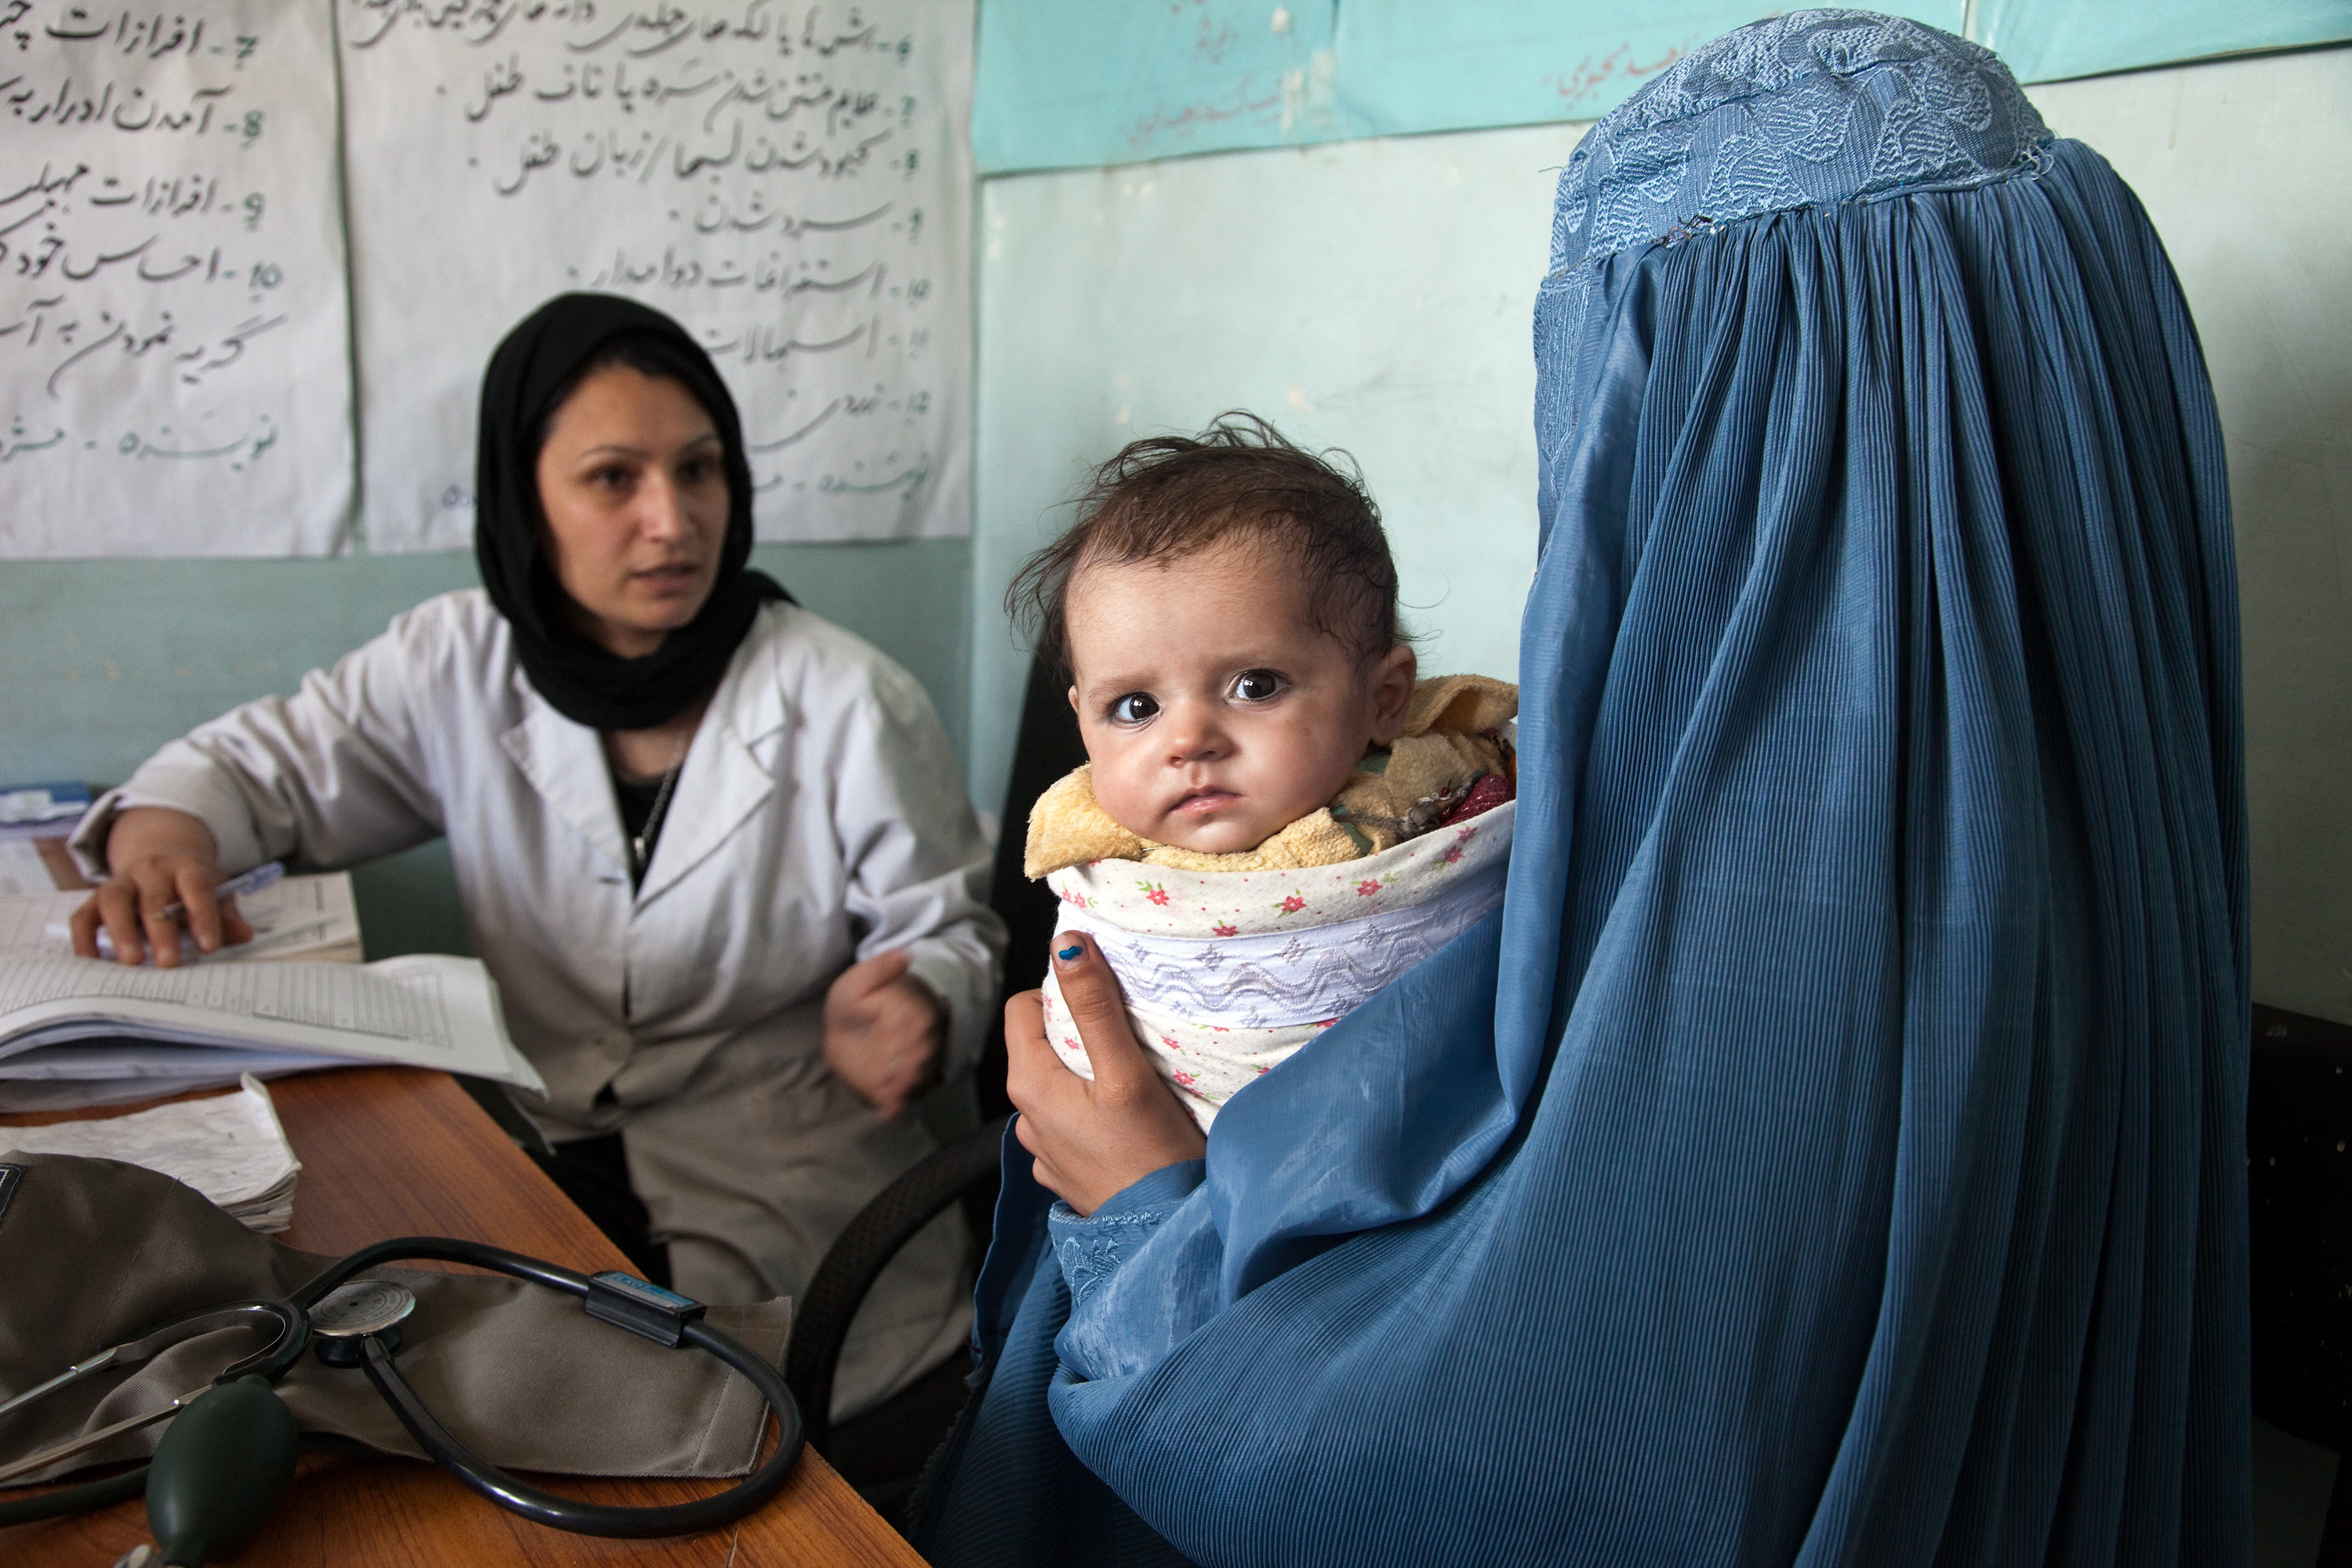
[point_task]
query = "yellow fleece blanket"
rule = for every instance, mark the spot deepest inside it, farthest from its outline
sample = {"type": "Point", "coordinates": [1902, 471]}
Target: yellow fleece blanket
{"type": "Point", "coordinates": [1452, 736]}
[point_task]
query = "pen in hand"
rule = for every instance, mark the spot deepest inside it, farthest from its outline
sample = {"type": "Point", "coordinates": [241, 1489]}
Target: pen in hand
{"type": "Point", "coordinates": [253, 881]}
{"type": "Point", "coordinates": [262, 875]}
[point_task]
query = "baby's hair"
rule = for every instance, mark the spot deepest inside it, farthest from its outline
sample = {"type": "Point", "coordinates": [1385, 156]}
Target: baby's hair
{"type": "Point", "coordinates": [1170, 497]}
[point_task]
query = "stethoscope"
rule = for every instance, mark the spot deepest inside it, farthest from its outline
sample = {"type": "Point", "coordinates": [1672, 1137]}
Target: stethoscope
{"type": "Point", "coordinates": [354, 1322]}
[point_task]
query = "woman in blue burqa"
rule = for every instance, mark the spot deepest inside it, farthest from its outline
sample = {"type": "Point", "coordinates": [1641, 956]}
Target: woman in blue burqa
{"type": "Point", "coordinates": [1831, 1151]}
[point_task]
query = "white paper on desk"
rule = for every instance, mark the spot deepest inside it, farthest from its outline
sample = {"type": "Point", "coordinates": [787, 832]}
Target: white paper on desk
{"type": "Point", "coordinates": [425, 1010]}
{"type": "Point", "coordinates": [307, 914]}
{"type": "Point", "coordinates": [24, 872]}
{"type": "Point", "coordinates": [231, 1149]}
{"type": "Point", "coordinates": [294, 917]}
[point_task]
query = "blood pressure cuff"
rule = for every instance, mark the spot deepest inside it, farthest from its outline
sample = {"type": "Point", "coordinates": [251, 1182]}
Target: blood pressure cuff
{"type": "Point", "coordinates": [95, 1252]}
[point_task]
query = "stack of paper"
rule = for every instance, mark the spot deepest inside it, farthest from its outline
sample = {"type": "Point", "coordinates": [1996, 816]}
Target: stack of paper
{"type": "Point", "coordinates": [46, 810]}
{"type": "Point", "coordinates": [80, 1031]}
{"type": "Point", "coordinates": [230, 1148]}
{"type": "Point", "coordinates": [35, 821]}
{"type": "Point", "coordinates": [311, 918]}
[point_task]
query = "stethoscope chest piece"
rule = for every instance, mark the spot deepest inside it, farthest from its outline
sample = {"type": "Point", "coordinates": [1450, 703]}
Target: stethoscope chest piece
{"type": "Point", "coordinates": [349, 1313]}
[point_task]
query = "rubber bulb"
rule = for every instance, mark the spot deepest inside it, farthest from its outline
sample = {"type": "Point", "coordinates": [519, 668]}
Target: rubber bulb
{"type": "Point", "coordinates": [221, 1466]}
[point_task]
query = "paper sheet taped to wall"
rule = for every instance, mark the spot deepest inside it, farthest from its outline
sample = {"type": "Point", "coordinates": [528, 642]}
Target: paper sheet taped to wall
{"type": "Point", "coordinates": [791, 182]}
{"type": "Point", "coordinates": [174, 363]}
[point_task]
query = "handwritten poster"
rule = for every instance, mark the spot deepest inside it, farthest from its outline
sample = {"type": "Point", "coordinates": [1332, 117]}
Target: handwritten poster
{"type": "Point", "coordinates": [789, 182]}
{"type": "Point", "coordinates": [174, 359]}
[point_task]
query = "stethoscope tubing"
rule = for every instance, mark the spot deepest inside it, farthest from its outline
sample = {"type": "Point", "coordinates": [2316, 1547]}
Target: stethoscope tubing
{"type": "Point", "coordinates": [439, 1250]}
{"type": "Point", "coordinates": [272, 1362]}
{"type": "Point", "coordinates": [546, 1508]}
{"type": "Point", "coordinates": [552, 1509]}
{"type": "Point", "coordinates": [558, 1513]}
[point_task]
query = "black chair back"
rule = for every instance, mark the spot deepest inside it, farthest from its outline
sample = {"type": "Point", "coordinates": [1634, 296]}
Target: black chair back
{"type": "Point", "coordinates": [1047, 747]}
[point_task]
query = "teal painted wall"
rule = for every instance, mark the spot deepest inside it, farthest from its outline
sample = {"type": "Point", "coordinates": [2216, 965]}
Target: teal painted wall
{"type": "Point", "coordinates": [102, 661]}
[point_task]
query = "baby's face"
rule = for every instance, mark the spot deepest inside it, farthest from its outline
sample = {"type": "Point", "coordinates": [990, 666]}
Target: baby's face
{"type": "Point", "coordinates": [1214, 712]}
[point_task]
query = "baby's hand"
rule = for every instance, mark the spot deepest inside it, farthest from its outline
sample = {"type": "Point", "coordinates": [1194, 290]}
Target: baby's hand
{"type": "Point", "coordinates": [1092, 1139]}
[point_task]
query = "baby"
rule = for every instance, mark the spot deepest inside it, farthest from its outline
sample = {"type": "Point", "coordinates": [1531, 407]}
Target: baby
{"type": "Point", "coordinates": [1276, 818]}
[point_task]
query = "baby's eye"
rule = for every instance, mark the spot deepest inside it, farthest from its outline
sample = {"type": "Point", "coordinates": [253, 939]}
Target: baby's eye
{"type": "Point", "coordinates": [1257, 685]}
{"type": "Point", "coordinates": [1134, 708]}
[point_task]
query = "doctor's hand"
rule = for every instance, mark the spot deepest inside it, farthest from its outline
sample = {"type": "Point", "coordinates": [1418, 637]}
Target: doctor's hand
{"type": "Point", "coordinates": [159, 858]}
{"type": "Point", "coordinates": [1092, 1140]}
{"type": "Point", "coordinates": [883, 1032]}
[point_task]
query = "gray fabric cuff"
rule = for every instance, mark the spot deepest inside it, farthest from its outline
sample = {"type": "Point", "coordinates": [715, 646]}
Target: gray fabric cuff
{"type": "Point", "coordinates": [95, 1252]}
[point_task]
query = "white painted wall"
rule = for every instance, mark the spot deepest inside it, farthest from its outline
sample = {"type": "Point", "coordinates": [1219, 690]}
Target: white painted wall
{"type": "Point", "coordinates": [1377, 295]}
{"type": "Point", "coordinates": [2246, 167]}
{"type": "Point", "coordinates": [1373, 295]}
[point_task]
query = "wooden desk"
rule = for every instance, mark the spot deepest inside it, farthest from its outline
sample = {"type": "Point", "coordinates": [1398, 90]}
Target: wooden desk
{"type": "Point", "coordinates": [392, 1151]}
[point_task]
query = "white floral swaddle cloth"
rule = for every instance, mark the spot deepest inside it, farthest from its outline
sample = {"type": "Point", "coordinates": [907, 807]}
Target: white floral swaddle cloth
{"type": "Point", "coordinates": [1227, 972]}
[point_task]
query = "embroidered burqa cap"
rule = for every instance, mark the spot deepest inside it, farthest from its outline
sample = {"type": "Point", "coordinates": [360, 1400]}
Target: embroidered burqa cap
{"type": "Point", "coordinates": [531, 371]}
{"type": "Point", "coordinates": [1832, 1153]}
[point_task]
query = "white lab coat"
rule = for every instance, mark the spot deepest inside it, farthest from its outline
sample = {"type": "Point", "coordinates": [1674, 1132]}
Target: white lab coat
{"type": "Point", "coordinates": [819, 818]}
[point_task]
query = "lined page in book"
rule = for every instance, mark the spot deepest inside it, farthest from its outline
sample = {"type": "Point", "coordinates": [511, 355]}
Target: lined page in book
{"type": "Point", "coordinates": [64, 1019]}
{"type": "Point", "coordinates": [341, 998]}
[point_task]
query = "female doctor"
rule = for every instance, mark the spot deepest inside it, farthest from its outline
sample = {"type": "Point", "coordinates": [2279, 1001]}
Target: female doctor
{"type": "Point", "coordinates": [712, 848]}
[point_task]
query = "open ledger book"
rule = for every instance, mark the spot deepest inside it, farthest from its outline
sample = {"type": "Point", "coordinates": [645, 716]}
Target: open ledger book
{"type": "Point", "coordinates": [78, 1031]}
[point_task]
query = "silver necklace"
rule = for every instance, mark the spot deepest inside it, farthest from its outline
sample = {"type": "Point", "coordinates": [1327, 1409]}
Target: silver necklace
{"type": "Point", "coordinates": [638, 853]}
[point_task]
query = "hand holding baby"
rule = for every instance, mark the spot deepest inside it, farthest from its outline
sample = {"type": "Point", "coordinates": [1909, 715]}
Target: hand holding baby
{"type": "Point", "coordinates": [1092, 1139]}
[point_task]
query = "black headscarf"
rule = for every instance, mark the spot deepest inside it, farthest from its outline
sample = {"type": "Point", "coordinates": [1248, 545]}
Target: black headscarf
{"type": "Point", "coordinates": [533, 371]}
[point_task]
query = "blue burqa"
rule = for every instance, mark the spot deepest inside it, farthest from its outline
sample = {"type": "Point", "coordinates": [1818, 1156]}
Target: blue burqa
{"type": "Point", "coordinates": [1833, 1152]}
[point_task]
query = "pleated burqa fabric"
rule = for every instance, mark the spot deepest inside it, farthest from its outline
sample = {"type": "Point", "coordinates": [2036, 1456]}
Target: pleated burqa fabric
{"type": "Point", "coordinates": [1832, 1154]}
